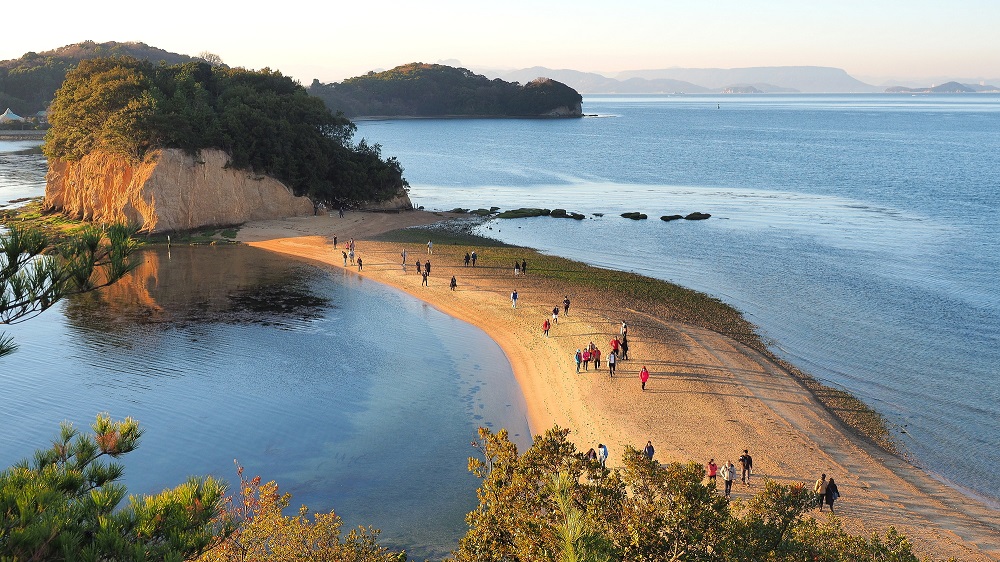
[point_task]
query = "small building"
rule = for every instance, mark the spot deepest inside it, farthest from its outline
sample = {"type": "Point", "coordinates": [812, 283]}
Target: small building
{"type": "Point", "coordinates": [9, 116]}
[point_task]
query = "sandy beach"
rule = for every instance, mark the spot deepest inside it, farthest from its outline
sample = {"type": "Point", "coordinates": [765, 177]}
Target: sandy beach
{"type": "Point", "coordinates": [708, 396]}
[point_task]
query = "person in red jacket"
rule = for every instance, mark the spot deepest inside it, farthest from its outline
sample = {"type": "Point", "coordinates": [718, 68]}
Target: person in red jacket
{"type": "Point", "coordinates": [545, 327]}
{"type": "Point", "coordinates": [644, 376]}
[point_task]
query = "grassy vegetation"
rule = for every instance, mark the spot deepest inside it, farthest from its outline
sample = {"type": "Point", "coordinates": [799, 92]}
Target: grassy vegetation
{"type": "Point", "coordinates": [448, 237]}
{"type": "Point", "coordinates": [56, 226]}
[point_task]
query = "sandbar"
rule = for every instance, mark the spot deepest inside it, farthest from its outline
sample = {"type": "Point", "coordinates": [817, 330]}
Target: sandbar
{"type": "Point", "coordinates": [708, 396]}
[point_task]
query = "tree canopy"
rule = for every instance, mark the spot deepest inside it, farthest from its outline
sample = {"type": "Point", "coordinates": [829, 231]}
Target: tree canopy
{"type": "Point", "coordinates": [429, 90]}
{"type": "Point", "coordinates": [63, 505]}
{"type": "Point", "coordinates": [266, 122]}
{"type": "Point", "coordinates": [28, 83]}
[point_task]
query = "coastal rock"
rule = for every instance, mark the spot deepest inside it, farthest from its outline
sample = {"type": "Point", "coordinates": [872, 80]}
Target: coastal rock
{"type": "Point", "coordinates": [398, 203]}
{"type": "Point", "coordinates": [168, 191]}
{"type": "Point", "coordinates": [669, 218]}
{"type": "Point", "coordinates": [696, 216]}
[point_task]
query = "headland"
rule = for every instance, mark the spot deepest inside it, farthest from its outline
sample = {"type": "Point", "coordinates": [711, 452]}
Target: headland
{"type": "Point", "coordinates": [709, 395]}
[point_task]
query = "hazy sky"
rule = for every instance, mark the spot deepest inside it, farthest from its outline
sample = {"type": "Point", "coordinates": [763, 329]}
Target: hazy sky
{"type": "Point", "coordinates": [332, 40]}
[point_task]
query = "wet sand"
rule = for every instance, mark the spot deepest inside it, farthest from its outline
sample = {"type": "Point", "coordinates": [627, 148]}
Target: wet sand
{"type": "Point", "coordinates": [708, 396]}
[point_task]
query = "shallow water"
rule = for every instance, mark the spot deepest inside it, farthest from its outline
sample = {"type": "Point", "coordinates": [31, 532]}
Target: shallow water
{"type": "Point", "coordinates": [351, 395]}
{"type": "Point", "coordinates": [860, 233]}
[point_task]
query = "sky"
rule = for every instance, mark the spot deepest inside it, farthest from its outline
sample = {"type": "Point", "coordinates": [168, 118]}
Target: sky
{"type": "Point", "coordinates": [333, 40]}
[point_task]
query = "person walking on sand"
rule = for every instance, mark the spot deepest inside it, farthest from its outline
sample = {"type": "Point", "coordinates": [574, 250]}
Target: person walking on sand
{"type": "Point", "coordinates": [474, 258]}
{"type": "Point", "coordinates": [591, 455]}
{"type": "Point", "coordinates": [545, 327]}
{"type": "Point", "coordinates": [403, 254]}
{"type": "Point", "coordinates": [713, 470]}
{"type": "Point", "coordinates": [579, 359]}
{"type": "Point", "coordinates": [586, 359]}
{"type": "Point", "coordinates": [648, 451]}
{"type": "Point", "coordinates": [467, 259]}
{"type": "Point", "coordinates": [832, 493]}
{"type": "Point", "coordinates": [513, 299]}
{"type": "Point", "coordinates": [341, 211]}
{"type": "Point", "coordinates": [418, 267]}
{"type": "Point", "coordinates": [819, 488]}
{"type": "Point", "coordinates": [746, 464]}
{"type": "Point", "coordinates": [427, 267]}
{"type": "Point", "coordinates": [345, 257]}
{"type": "Point", "coordinates": [430, 247]}
{"type": "Point", "coordinates": [728, 475]}
{"type": "Point", "coordinates": [334, 241]}
{"type": "Point", "coordinates": [611, 363]}
{"type": "Point", "coordinates": [517, 269]}
{"type": "Point", "coordinates": [454, 282]}
{"type": "Point", "coordinates": [602, 454]}
{"type": "Point", "coordinates": [524, 267]}
{"type": "Point", "coordinates": [566, 306]}
{"type": "Point", "coordinates": [624, 346]}
{"type": "Point", "coordinates": [615, 344]}
{"type": "Point", "coordinates": [423, 282]}
{"type": "Point", "coordinates": [644, 376]}
{"type": "Point", "coordinates": [624, 329]}
{"type": "Point", "coordinates": [555, 314]}
{"type": "Point", "coordinates": [596, 356]}
{"type": "Point", "coordinates": [360, 265]}
{"type": "Point", "coordinates": [350, 255]}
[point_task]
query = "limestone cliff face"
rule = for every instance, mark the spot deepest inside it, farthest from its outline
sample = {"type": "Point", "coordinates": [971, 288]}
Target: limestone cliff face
{"type": "Point", "coordinates": [169, 191]}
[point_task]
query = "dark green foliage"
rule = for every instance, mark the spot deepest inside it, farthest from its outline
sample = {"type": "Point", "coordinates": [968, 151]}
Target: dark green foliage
{"type": "Point", "coordinates": [434, 90]}
{"type": "Point", "coordinates": [63, 505]}
{"type": "Point", "coordinates": [28, 84]}
{"type": "Point", "coordinates": [266, 122]}
{"type": "Point", "coordinates": [634, 215]}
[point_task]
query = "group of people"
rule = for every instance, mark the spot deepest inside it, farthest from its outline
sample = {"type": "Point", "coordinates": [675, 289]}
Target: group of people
{"type": "Point", "coordinates": [471, 258]}
{"type": "Point", "coordinates": [601, 454]}
{"type": "Point", "coordinates": [520, 268]}
{"type": "Point", "coordinates": [348, 252]}
{"type": "Point", "coordinates": [826, 491]}
{"type": "Point", "coordinates": [729, 473]}
{"type": "Point", "coordinates": [589, 353]}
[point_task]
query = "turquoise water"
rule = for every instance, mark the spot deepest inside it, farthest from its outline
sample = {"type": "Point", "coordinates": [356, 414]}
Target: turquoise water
{"type": "Point", "coordinates": [860, 233]}
{"type": "Point", "coordinates": [353, 396]}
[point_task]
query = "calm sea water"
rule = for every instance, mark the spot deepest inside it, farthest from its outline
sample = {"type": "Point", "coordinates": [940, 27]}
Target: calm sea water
{"type": "Point", "coordinates": [860, 233]}
{"type": "Point", "coordinates": [352, 396]}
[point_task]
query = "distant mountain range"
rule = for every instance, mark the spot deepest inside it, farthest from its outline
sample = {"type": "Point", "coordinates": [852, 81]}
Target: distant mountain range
{"type": "Point", "coordinates": [764, 79]}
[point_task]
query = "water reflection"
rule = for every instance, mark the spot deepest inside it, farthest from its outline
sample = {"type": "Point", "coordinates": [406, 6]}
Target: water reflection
{"type": "Point", "coordinates": [351, 395]}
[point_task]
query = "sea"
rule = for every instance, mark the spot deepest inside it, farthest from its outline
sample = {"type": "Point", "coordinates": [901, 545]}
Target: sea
{"type": "Point", "coordinates": [352, 396]}
{"type": "Point", "coordinates": [859, 233]}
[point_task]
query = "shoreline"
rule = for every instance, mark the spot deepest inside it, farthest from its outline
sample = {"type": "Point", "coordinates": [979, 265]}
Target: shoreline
{"type": "Point", "coordinates": [710, 395]}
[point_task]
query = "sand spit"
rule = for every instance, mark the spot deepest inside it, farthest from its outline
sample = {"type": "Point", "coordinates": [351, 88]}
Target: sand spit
{"type": "Point", "coordinates": [708, 396]}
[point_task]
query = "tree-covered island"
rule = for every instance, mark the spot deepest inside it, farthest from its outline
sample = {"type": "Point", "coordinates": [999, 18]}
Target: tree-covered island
{"type": "Point", "coordinates": [266, 122]}
{"type": "Point", "coordinates": [435, 90]}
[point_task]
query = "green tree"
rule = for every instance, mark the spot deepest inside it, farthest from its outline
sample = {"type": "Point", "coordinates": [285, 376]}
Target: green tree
{"type": "Point", "coordinates": [37, 272]}
{"type": "Point", "coordinates": [63, 505]}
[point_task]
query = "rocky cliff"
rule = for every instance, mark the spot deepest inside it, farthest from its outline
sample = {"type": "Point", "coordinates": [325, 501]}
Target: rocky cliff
{"type": "Point", "coordinates": [170, 190]}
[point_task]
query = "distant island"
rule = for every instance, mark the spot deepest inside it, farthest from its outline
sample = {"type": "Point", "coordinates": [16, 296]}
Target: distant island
{"type": "Point", "coordinates": [946, 88]}
{"type": "Point", "coordinates": [436, 90]}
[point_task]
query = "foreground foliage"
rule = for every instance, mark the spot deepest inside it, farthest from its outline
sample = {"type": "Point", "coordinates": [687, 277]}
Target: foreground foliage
{"type": "Point", "coordinates": [266, 122]}
{"type": "Point", "coordinates": [64, 504]}
{"type": "Point", "coordinates": [36, 271]}
{"type": "Point", "coordinates": [552, 504]}
{"type": "Point", "coordinates": [262, 533]}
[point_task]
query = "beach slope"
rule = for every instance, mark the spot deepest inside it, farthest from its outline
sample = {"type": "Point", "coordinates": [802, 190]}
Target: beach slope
{"type": "Point", "coordinates": [708, 396]}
